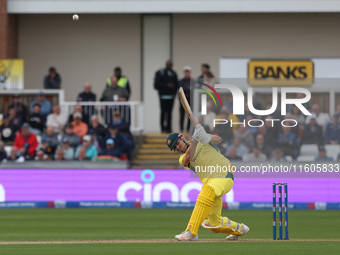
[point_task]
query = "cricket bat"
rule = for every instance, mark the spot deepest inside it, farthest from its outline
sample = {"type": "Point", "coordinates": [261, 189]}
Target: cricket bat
{"type": "Point", "coordinates": [186, 106]}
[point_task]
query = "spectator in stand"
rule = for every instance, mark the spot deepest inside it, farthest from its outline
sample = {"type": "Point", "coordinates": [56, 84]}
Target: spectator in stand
{"type": "Point", "coordinates": [209, 78]}
{"type": "Point", "coordinates": [95, 141]}
{"type": "Point", "coordinates": [37, 120]}
{"type": "Point", "coordinates": [233, 154]}
{"type": "Point", "coordinates": [56, 119]}
{"type": "Point", "coordinates": [44, 104]}
{"type": "Point", "coordinates": [297, 115]}
{"type": "Point", "coordinates": [332, 134]}
{"type": "Point", "coordinates": [113, 91]}
{"type": "Point", "coordinates": [241, 149]}
{"type": "Point", "coordinates": [307, 105]}
{"type": "Point", "coordinates": [49, 141]}
{"type": "Point", "coordinates": [117, 119]}
{"type": "Point", "coordinates": [7, 130]}
{"type": "Point", "coordinates": [122, 81]}
{"type": "Point", "coordinates": [71, 137]}
{"type": "Point", "coordinates": [82, 154]}
{"type": "Point", "coordinates": [231, 118]}
{"type": "Point", "coordinates": [255, 155]}
{"type": "Point", "coordinates": [272, 131]}
{"type": "Point", "coordinates": [19, 107]}
{"type": "Point", "coordinates": [129, 141]}
{"type": "Point", "coordinates": [14, 119]}
{"type": "Point", "coordinates": [187, 84]}
{"type": "Point", "coordinates": [52, 80]}
{"type": "Point", "coordinates": [288, 142]}
{"type": "Point", "coordinates": [323, 155]}
{"type": "Point", "coordinates": [253, 125]}
{"type": "Point", "coordinates": [313, 132]}
{"type": "Point", "coordinates": [322, 118]}
{"type": "Point", "coordinates": [59, 155]}
{"type": "Point", "coordinates": [87, 96]}
{"type": "Point", "coordinates": [40, 155]}
{"type": "Point", "coordinates": [111, 150]}
{"type": "Point", "coordinates": [99, 129]}
{"type": "Point", "coordinates": [79, 127]}
{"type": "Point", "coordinates": [118, 139]}
{"type": "Point", "coordinates": [3, 153]}
{"type": "Point", "coordinates": [246, 137]}
{"type": "Point", "coordinates": [262, 146]}
{"type": "Point", "coordinates": [205, 68]}
{"type": "Point", "coordinates": [166, 83]}
{"type": "Point", "coordinates": [90, 150]}
{"type": "Point", "coordinates": [78, 108]}
{"type": "Point", "coordinates": [26, 142]}
{"type": "Point", "coordinates": [67, 149]}
{"type": "Point", "coordinates": [15, 156]}
{"type": "Point", "coordinates": [277, 156]}
{"type": "Point", "coordinates": [225, 131]}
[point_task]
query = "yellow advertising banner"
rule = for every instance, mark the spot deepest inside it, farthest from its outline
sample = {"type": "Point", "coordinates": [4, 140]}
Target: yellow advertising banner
{"type": "Point", "coordinates": [11, 74]}
{"type": "Point", "coordinates": [280, 72]}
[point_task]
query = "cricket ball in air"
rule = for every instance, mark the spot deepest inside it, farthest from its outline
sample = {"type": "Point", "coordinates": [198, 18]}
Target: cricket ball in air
{"type": "Point", "coordinates": [75, 17]}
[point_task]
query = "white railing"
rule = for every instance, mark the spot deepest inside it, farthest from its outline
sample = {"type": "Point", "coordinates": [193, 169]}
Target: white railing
{"type": "Point", "coordinates": [131, 111]}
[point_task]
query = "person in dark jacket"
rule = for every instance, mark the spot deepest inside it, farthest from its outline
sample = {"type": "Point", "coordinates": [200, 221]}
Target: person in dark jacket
{"type": "Point", "coordinates": [166, 83]}
{"type": "Point", "coordinates": [52, 80]}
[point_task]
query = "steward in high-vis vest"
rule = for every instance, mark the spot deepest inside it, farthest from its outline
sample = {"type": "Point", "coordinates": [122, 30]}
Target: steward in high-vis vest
{"type": "Point", "coordinates": [123, 81]}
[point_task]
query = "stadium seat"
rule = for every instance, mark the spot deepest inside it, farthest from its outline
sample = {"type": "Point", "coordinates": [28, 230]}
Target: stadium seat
{"type": "Point", "coordinates": [305, 158]}
{"type": "Point", "coordinates": [333, 150]}
{"type": "Point", "coordinates": [309, 150]}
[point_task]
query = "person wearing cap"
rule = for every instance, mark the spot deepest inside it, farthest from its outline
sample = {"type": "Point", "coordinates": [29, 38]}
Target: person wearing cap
{"type": "Point", "coordinates": [332, 134]}
{"type": "Point", "coordinates": [187, 83]}
{"type": "Point", "coordinates": [119, 141]}
{"type": "Point", "coordinates": [91, 151]}
{"type": "Point", "coordinates": [323, 154]}
{"type": "Point", "coordinates": [44, 104]}
{"type": "Point", "coordinates": [312, 133]}
{"type": "Point", "coordinates": [118, 120]}
{"type": "Point", "coordinates": [199, 155]}
{"type": "Point", "coordinates": [79, 127]}
{"type": "Point", "coordinates": [94, 140]}
{"type": "Point", "coordinates": [110, 149]}
{"type": "Point", "coordinates": [85, 117]}
{"type": "Point", "coordinates": [52, 80]}
{"type": "Point", "coordinates": [26, 142]}
{"type": "Point", "coordinates": [40, 155]}
{"type": "Point", "coordinates": [19, 107]}
{"type": "Point", "coordinates": [73, 139]}
{"type": "Point", "coordinates": [67, 149]}
{"type": "Point", "coordinates": [166, 83]}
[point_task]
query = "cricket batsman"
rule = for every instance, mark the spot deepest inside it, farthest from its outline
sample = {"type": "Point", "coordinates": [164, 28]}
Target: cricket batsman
{"type": "Point", "coordinates": [198, 155]}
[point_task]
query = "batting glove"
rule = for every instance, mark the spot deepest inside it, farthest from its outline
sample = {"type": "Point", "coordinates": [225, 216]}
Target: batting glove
{"type": "Point", "coordinates": [200, 135]}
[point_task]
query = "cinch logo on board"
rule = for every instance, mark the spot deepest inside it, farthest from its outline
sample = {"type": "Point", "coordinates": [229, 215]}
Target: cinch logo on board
{"type": "Point", "coordinates": [148, 192]}
{"type": "Point", "coordinates": [280, 72]}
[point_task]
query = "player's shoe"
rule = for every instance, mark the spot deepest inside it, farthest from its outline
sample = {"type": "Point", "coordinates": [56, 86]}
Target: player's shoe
{"type": "Point", "coordinates": [186, 236]}
{"type": "Point", "coordinates": [244, 230]}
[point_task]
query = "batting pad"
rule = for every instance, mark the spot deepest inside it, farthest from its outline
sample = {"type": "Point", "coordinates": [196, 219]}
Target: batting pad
{"type": "Point", "coordinates": [202, 208]}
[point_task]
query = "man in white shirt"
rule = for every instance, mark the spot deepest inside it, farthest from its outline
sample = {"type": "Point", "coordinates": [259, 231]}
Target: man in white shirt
{"type": "Point", "coordinates": [56, 119]}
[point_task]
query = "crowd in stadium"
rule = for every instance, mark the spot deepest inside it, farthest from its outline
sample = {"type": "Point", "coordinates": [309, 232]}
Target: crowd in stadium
{"type": "Point", "coordinates": [43, 132]}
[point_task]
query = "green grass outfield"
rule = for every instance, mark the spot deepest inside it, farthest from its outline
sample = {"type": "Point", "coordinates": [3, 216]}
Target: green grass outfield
{"type": "Point", "coordinates": [93, 231]}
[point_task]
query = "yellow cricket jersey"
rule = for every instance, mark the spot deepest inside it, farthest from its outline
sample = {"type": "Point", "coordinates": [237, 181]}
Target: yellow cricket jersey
{"type": "Point", "coordinates": [208, 162]}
